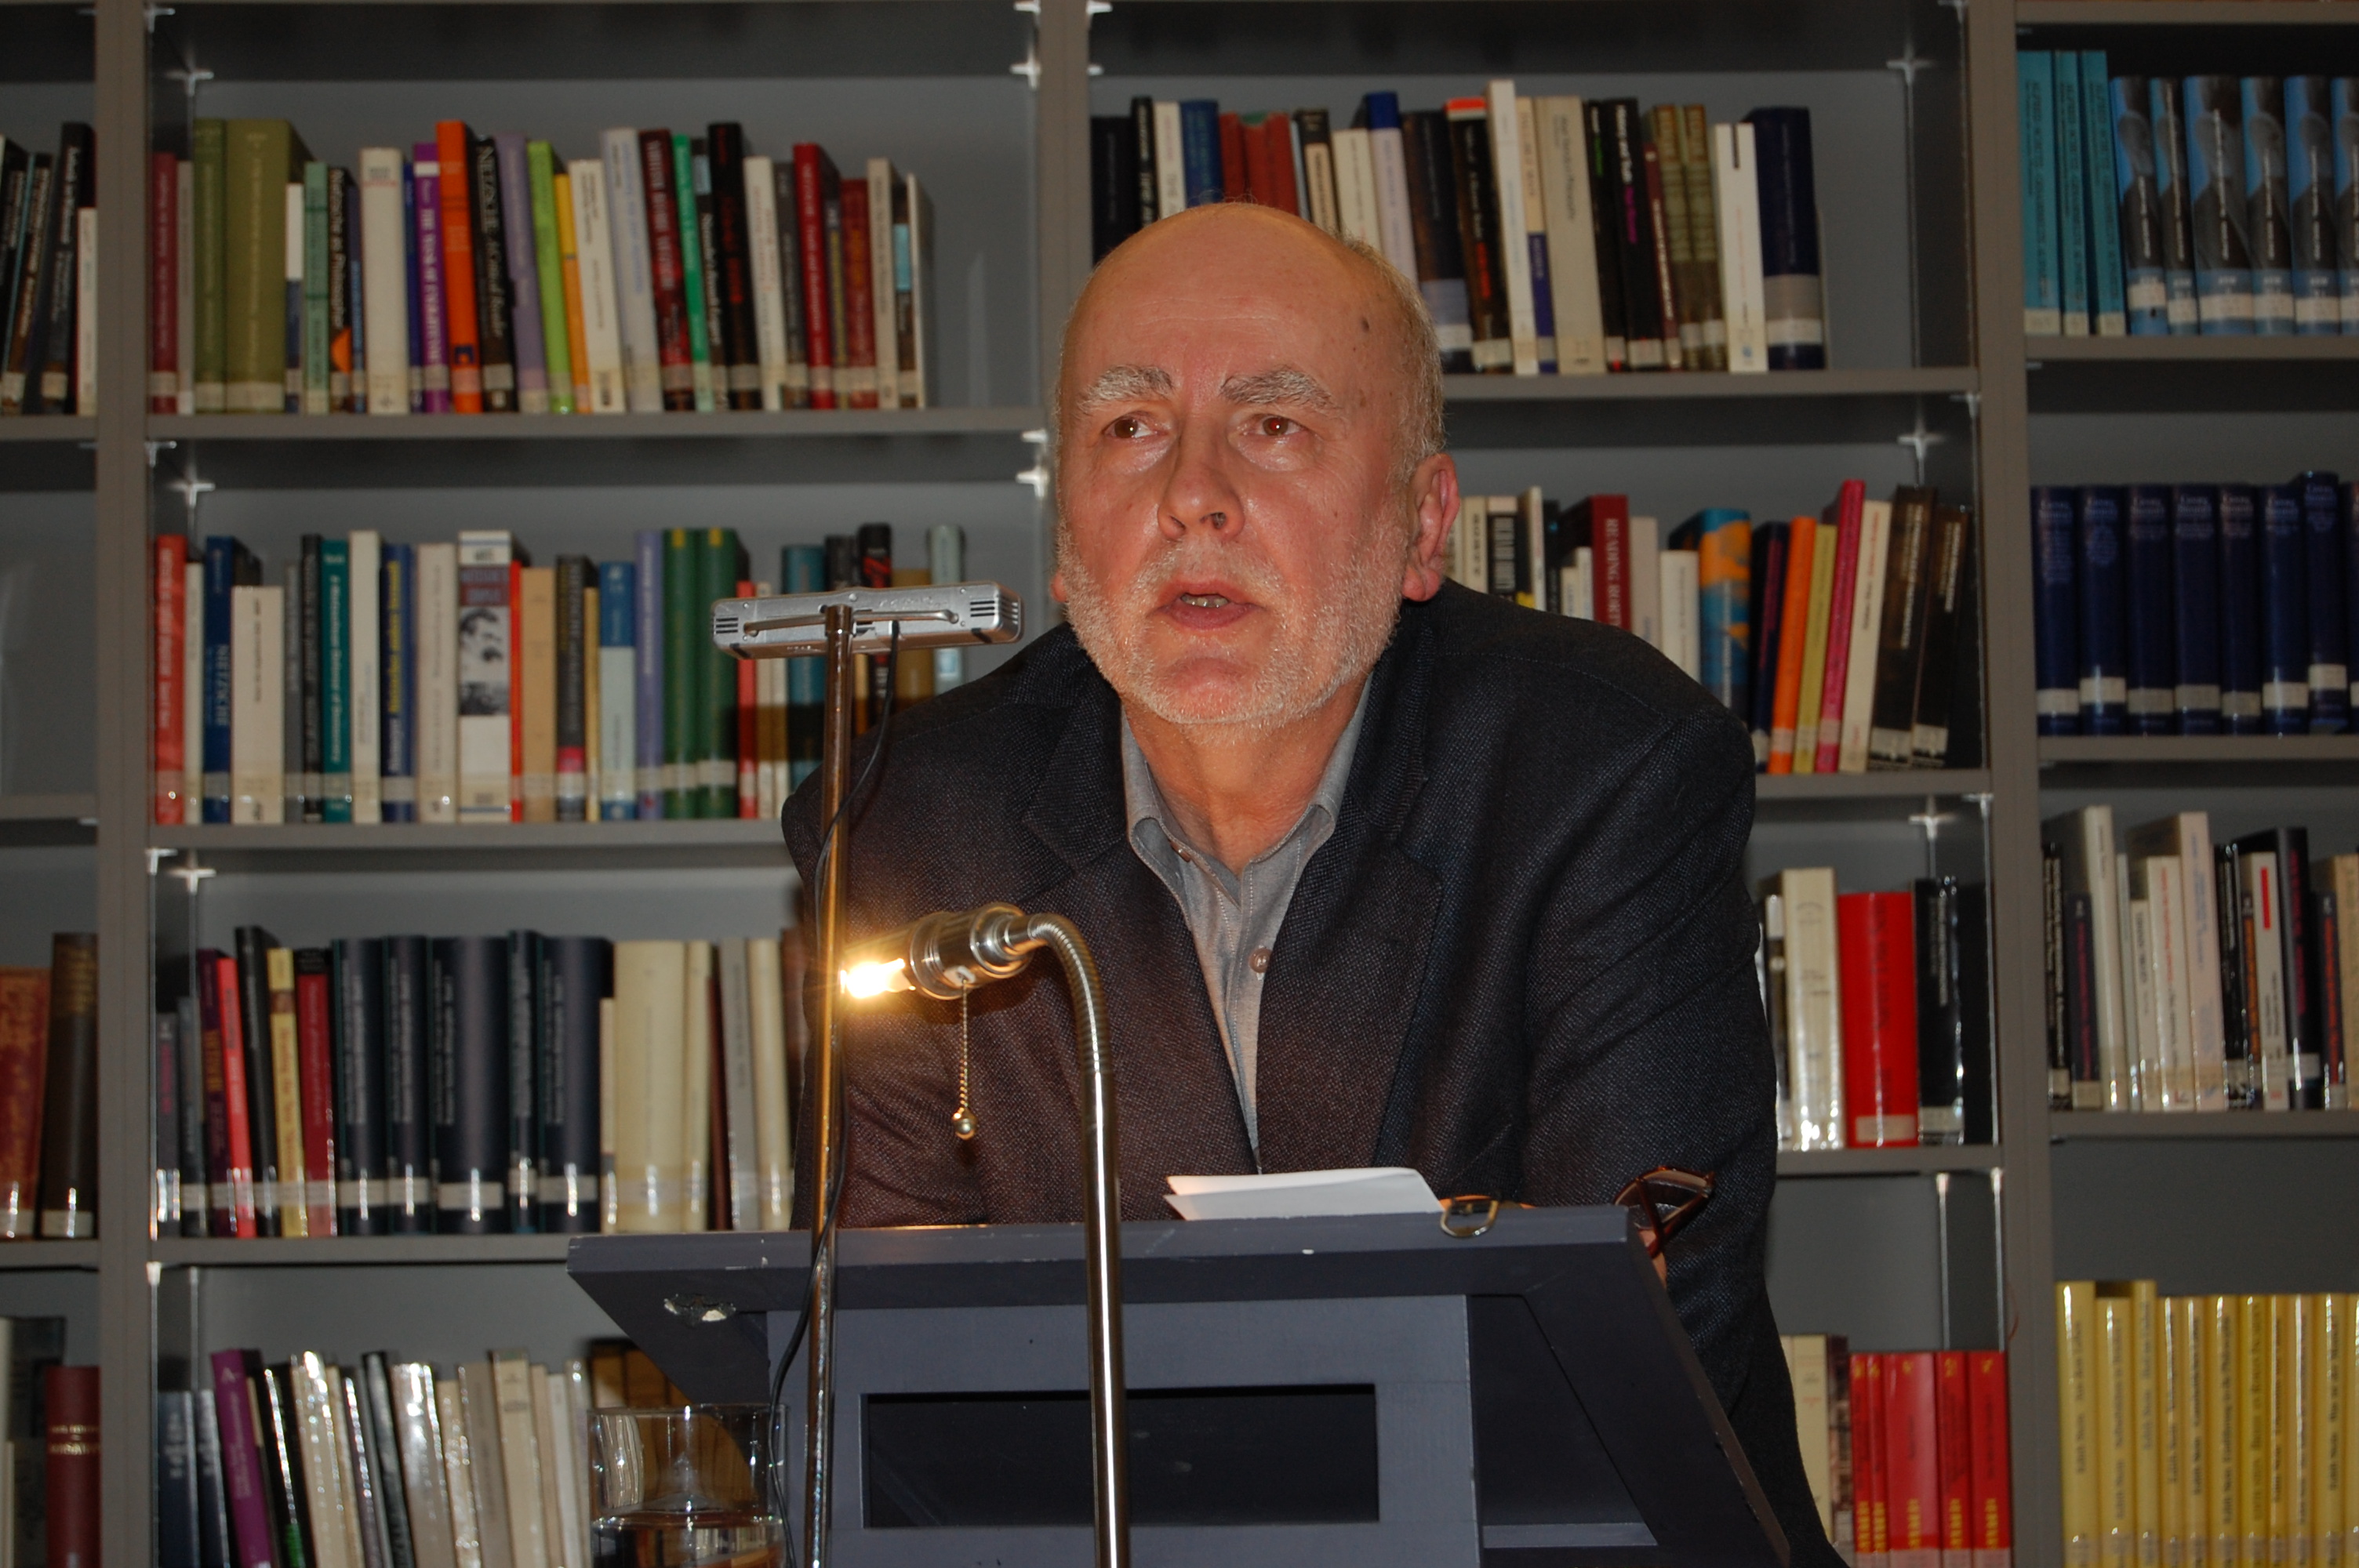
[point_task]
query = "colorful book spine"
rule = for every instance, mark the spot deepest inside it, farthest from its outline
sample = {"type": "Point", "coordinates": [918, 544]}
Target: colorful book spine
{"type": "Point", "coordinates": [648, 685]}
{"type": "Point", "coordinates": [2215, 200]}
{"type": "Point", "coordinates": [169, 712]}
{"type": "Point", "coordinates": [549, 254]}
{"type": "Point", "coordinates": [436, 373]}
{"type": "Point", "coordinates": [2309, 206]}
{"type": "Point", "coordinates": [2072, 195]}
{"type": "Point", "coordinates": [1879, 978]}
{"type": "Point", "coordinates": [2104, 216]}
{"type": "Point", "coordinates": [2139, 216]}
{"type": "Point", "coordinates": [2182, 308]}
{"type": "Point", "coordinates": [618, 747]}
{"type": "Point", "coordinates": [529, 337]}
{"type": "Point", "coordinates": [690, 195]}
{"type": "Point", "coordinates": [453, 186]}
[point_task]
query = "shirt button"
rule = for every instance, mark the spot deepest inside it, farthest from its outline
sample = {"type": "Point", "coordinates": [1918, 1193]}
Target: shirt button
{"type": "Point", "coordinates": [1259, 961]}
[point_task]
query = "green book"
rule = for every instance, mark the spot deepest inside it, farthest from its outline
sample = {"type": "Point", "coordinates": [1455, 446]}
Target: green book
{"type": "Point", "coordinates": [209, 147]}
{"type": "Point", "coordinates": [692, 266]}
{"type": "Point", "coordinates": [683, 676]}
{"type": "Point", "coordinates": [335, 666]}
{"type": "Point", "coordinates": [261, 159]}
{"type": "Point", "coordinates": [556, 342]}
{"type": "Point", "coordinates": [721, 562]}
{"type": "Point", "coordinates": [318, 279]}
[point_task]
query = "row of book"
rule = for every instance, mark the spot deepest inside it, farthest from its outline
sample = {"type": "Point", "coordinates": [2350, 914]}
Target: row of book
{"type": "Point", "coordinates": [2186, 974]}
{"type": "Point", "coordinates": [486, 275]}
{"type": "Point", "coordinates": [2215, 1429]}
{"type": "Point", "coordinates": [2214, 204]}
{"type": "Point", "coordinates": [48, 275]}
{"type": "Point", "coordinates": [381, 682]}
{"type": "Point", "coordinates": [1906, 1452]}
{"type": "Point", "coordinates": [49, 1094]}
{"type": "Point", "coordinates": [478, 1085]}
{"type": "Point", "coordinates": [1878, 1006]}
{"type": "Point", "coordinates": [1549, 235]}
{"type": "Point", "coordinates": [2197, 609]}
{"type": "Point", "coordinates": [31, 1350]}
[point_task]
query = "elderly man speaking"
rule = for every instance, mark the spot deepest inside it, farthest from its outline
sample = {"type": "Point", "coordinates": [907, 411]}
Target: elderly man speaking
{"type": "Point", "coordinates": [1378, 870]}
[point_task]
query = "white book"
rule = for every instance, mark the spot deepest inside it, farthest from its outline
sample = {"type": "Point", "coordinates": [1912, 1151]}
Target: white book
{"type": "Point", "coordinates": [1866, 629]}
{"type": "Point", "coordinates": [384, 281]}
{"type": "Point", "coordinates": [1813, 1007]}
{"type": "Point", "coordinates": [1507, 176]}
{"type": "Point", "coordinates": [553, 1488]}
{"type": "Point", "coordinates": [650, 1084]}
{"type": "Point", "coordinates": [1389, 161]}
{"type": "Point", "coordinates": [774, 1162]}
{"type": "Point", "coordinates": [519, 1459]}
{"type": "Point", "coordinates": [610, 1191]}
{"type": "Point", "coordinates": [740, 1184]}
{"type": "Point", "coordinates": [1469, 554]}
{"type": "Point", "coordinates": [1170, 167]}
{"type": "Point", "coordinates": [192, 694]}
{"type": "Point", "coordinates": [458, 1473]}
{"type": "Point", "coordinates": [86, 370]}
{"type": "Point", "coordinates": [635, 294]}
{"type": "Point", "coordinates": [769, 288]}
{"type": "Point", "coordinates": [882, 178]}
{"type": "Point", "coordinates": [257, 732]}
{"type": "Point", "coordinates": [1736, 198]}
{"type": "Point", "coordinates": [1531, 510]}
{"type": "Point", "coordinates": [695, 1065]}
{"type": "Point", "coordinates": [1646, 580]}
{"type": "Point", "coordinates": [437, 694]}
{"type": "Point", "coordinates": [343, 1391]}
{"type": "Point", "coordinates": [2272, 1052]}
{"type": "Point", "coordinates": [315, 1413]}
{"type": "Point", "coordinates": [1355, 185]}
{"type": "Point", "coordinates": [1536, 239]}
{"type": "Point", "coordinates": [184, 260]}
{"type": "Point", "coordinates": [1562, 146]}
{"type": "Point", "coordinates": [568, 1542]}
{"type": "Point", "coordinates": [487, 667]}
{"type": "Point", "coordinates": [601, 339]}
{"type": "Point", "coordinates": [1384, 1189]}
{"type": "Point", "coordinates": [2165, 893]}
{"type": "Point", "coordinates": [363, 683]}
{"type": "Point", "coordinates": [1581, 585]}
{"type": "Point", "coordinates": [618, 791]}
{"type": "Point", "coordinates": [297, 395]}
{"type": "Point", "coordinates": [576, 1438]}
{"type": "Point", "coordinates": [1319, 190]}
{"type": "Point", "coordinates": [2187, 837]}
{"type": "Point", "coordinates": [1677, 570]}
{"type": "Point", "coordinates": [2145, 1000]}
{"type": "Point", "coordinates": [921, 283]}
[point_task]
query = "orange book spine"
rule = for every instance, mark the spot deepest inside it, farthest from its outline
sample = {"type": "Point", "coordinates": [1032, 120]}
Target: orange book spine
{"type": "Point", "coordinates": [169, 719]}
{"type": "Point", "coordinates": [1912, 1467]}
{"type": "Point", "coordinates": [1953, 1438]}
{"type": "Point", "coordinates": [459, 335]}
{"type": "Point", "coordinates": [1990, 1461]}
{"type": "Point", "coordinates": [1801, 543]}
{"type": "Point", "coordinates": [1850, 501]}
{"type": "Point", "coordinates": [518, 699]}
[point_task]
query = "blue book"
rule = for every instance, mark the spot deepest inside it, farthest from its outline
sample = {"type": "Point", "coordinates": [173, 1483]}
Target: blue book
{"type": "Point", "coordinates": [803, 569]}
{"type": "Point", "coordinates": [1543, 303]}
{"type": "Point", "coordinates": [618, 651]}
{"type": "Point", "coordinates": [1381, 110]}
{"type": "Point", "coordinates": [398, 685]}
{"type": "Point", "coordinates": [2269, 228]}
{"type": "Point", "coordinates": [2215, 200]}
{"type": "Point", "coordinates": [2105, 306]}
{"type": "Point", "coordinates": [2178, 224]}
{"type": "Point", "coordinates": [1724, 635]}
{"type": "Point", "coordinates": [2035, 93]}
{"type": "Point", "coordinates": [2098, 569]}
{"type": "Point", "coordinates": [2195, 605]}
{"type": "Point", "coordinates": [2153, 666]}
{"type": "Point", "coordinates": [2055, 611]}
{"type": "Point", "coordinates": [2072, 195]}
{"type": "Point", "coordinates": [1786, 179]}
{"type": "Point", "coordinates": [2329, 676]}
{"type": "Point", "coordinates": [2240, 611]}
{"type": "Point", "coordinates": [2342, 102]}
{"type": "Point", "coordinates": [2310, 206]}
{"type": "Point", "coordinates": [410, 1069]}
{"type": "Point", "coordinates": [2284, 613]}
{"type": "Point", "coordinates": [2137, 209]}
{"type": "Point", "coordinates": [176, 1481]}
{"type": "Point", "coordinates": [1200, 150]}
{"type": "Point", "coordinates": [228, 564]}
{"type": "Point", "coordinates": [648, 716]}
{"type": "Point", "coordinates": [409, 282]}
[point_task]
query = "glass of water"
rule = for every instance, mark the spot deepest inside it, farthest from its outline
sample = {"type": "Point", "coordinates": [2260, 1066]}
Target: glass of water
{"type": "Point", "coordinates": [683, 1488]}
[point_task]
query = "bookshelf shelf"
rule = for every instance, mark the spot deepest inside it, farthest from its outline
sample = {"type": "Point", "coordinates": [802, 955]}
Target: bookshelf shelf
{"type": "Point", "coordinates": [524, 845]}
{"type": "Point", "coordinates": [2146, 750]}
{"type": "Point", "coordinates": [1899, 784]}
{"type": "Point", "coordinates": [786, 425]}
{"type": "Point", "coordinates": [37, 1255]}
{"type": "Point", "coordinates": [49, 428]}
{"type": "Point", "coordinates": [2185, 13]}
{"type": "Point", "coordinates": [1709, 386]}
{"type": "Point", "coordinates": [1794, 1165]}
{"type": "Point", "coordinates": [281, 1251]}
{"type": "Point", "coordinates": [2191, 350]}
{"type": "Point", "coordinates": [74, 809]}
{"type": "Point", "coordinates": [2066, 1127]}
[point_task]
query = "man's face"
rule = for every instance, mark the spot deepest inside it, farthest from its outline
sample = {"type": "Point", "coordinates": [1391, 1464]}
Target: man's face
{"type": "Point", "coordinates": [1235, 530]}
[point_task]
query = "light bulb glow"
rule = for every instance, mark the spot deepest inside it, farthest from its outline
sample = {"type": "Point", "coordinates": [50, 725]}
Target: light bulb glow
{"type": "Point", "coordinates": [864, 980]}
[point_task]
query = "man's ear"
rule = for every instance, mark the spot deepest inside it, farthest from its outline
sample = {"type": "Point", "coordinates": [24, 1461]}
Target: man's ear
{"type": "Point", "coordinates": [1434, 490]}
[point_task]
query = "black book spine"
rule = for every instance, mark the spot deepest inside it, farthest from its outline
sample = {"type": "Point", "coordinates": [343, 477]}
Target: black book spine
{"type": "Point", "coordinates": [725, 147]}
{"type": "Point", "coordinates": [282, 1467]}
{"type": "Point", "coordinates": [254, 944]}
{"type": "Point", "coordinates": [385, 1460]}
{"type": "Point", "coordinates": [708, 261]}
{"type": "Point", "coordinates": [1634, 236]}
{"type": "Point", "coordinates": [494, 311]}
{"type": "Point", "coordinates": [1114, 185]}
{"type": "Point", "coordinates": [76, 169]}
{"type": "Point", "coordinates": [470, 1083]}
{"type": "Point", "coordinates": [2235, 985]}
{"type": "Point", "coordinates": [214, 1549]}
{"type": "Point", "coordinates": [522, 1166]}
{"type": "Point", "coordinates": [359, 1013]}
{"type": "Point", "coordinates": [194, 1197]}
{"type": "Point", "coordinates": [1604, 207]}
{"type": "Point", "coordinates": [1433, 233]}
{"type": "Point", "coordinates": [1940, 1037]}
{"type": "Point", "coordinates": [1972, 945]}
{"type": "Point", "coordinates": [2052, 933]}
{"type": "Point", "coordinates": [2305, 1047]}
{"type": "Point", "coordinates": [17, 334]}
{"type": "Point", "coordinates": [1948, 617]}
{"type": "Point", "coordinates": [1479, 240]}
{"type": "Point", "coordinates": [176, 1480]}
{"type": "Point", "coordinates": [16, 182]}
{"type": "Point", "coordinates": [311, 704]}
{"type": "Point", "coordinates": [2080, 1001]}
{"type": "Point", "coordinates": [790, 268]}
{"type": "Point", "coordinates": [2326, 1012]}
{"type": "Point", "coordinates": [576, 974]}
{"type": "Point", "coordinates": [408, 1118]}
{"type": "Point", "coordinates": [1142, 131]}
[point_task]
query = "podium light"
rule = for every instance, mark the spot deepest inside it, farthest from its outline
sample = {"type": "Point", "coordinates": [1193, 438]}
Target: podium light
{"type": "Point", "coordinates": [947, 955]}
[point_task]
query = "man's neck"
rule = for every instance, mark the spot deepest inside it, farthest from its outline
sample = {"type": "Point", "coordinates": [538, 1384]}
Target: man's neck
{"type": "Point", "coordinates": [1237, 791]}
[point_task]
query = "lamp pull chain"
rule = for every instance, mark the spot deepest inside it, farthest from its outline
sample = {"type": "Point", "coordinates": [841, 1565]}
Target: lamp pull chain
{"type": "Point", "coordinates": [963, 1119]}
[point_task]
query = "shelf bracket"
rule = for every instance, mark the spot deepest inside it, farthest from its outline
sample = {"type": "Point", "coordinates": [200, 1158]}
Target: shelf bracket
{"type": "Point", "coordinates": [155, 449]}
{"type": "Point", "coordinates": [1028, 68]}
{"type": "Point", "coordinates": [190, 78]}
{"type": "Point", "coordinates": [151, 12]}
{"type": "Point", "coordinates": [1909, 67]}
{"type": "Point", "coordinates": [192, 489]}
{"type": "Point", "coordinates": [1037, 476]}
{"type": "Point", "coordinates": [191, 877]}
{"type": "Point", "coordinates": [155, 857]}
{"type": "Point", "coordinates": [1919, 439]}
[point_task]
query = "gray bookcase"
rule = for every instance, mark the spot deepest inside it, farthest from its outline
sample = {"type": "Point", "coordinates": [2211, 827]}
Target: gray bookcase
{"type": "Point", "coordinates": [1913, 102]}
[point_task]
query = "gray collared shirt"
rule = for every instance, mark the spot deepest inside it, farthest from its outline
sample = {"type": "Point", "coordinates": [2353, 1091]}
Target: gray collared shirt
{"type": "Point", "coordinates": [1234, 917]}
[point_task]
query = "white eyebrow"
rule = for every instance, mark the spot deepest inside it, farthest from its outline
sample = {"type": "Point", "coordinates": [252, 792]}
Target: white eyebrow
{"type": "Point", "coordinates": [1126, 383]}
{"type": "Point", "coordinates": [1282, 385]}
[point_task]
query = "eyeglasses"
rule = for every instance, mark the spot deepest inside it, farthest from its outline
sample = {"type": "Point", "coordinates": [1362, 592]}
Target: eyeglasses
{"type": "Point", "coordinates": [1665, 1199]}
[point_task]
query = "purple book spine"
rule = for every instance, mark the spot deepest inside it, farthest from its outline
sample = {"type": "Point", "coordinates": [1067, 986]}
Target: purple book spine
{"type": "Point", "coordinates": [249, 1505]}
{"type": "Point", "coordinates": [649, 719]}
{"type": "Point", "coordinates": [434, 358]}
{"type": "Point", "coordinates": [409, 284]}
{"type": "Point", "coordinates": [524, 273]}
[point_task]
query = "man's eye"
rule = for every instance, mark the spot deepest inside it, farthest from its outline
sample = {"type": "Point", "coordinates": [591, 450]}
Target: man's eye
{"type": "Point", "coordinates": [1126, 427]}
{"type": "Point", "coordinates": [1275, 425]}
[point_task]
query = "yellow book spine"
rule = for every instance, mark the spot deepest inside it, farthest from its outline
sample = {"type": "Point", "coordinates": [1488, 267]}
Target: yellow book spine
{"type": "Point", "coordinates": [2325, 1376]}
{"type": "Point", "coordinates": [2297, 1354]}
{"type": "Point", "coordinates": [1814, 651]}
{"type": "Point", "coordinates": [2076, 1303]}
{"type": "Point", "coordinates": [286, 1089]}
{"type": "Point", "coordinates": [2223, 1365]}
{"type": "Point", "coordinates": [2347, 1356]}
{"type": "Point", "coordinates": [2117, 1401]}
{"type": "Point", "coordinates": [2145, 1418]}
{"type": "Point", "coordinates": [2171, 1389]}
{"type": "Point", "coordinates": [2255, 1416]}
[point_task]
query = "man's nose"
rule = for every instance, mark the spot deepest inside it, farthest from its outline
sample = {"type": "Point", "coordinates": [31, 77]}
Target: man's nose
{"type": "Point", "coordinates": [1198, 492]}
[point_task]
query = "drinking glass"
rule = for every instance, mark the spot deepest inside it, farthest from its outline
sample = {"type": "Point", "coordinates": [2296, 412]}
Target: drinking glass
{"type": "Point", "coordinates": [671, 1489]}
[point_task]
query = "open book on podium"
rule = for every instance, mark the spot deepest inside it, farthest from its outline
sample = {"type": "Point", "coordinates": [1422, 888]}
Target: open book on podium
{"type": "Point", "coordinates": [1364, 1390]}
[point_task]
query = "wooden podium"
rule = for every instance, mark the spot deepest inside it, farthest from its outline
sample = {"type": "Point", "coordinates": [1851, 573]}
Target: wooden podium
{"type": "Point", "coordinates": [1364, 1392]}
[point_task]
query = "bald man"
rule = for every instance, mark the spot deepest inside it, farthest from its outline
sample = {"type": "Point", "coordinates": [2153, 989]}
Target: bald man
{"type": "Point", "coordinates": [1378, 870]}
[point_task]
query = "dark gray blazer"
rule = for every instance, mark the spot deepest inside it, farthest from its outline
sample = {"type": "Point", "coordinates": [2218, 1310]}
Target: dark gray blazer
{"type": "Point", "coordinates": [1522, 965]}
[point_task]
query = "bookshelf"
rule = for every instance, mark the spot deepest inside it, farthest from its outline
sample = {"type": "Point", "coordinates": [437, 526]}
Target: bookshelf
{"type": "Point", "coordinates": [989, 102]}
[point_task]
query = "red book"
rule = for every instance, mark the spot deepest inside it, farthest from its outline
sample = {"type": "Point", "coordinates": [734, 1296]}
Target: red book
{"type": "Point", "coordinates": [315, 1072]}
{"type": "Point", "coordinates": [168, 593]}
{"type": "Point", "coordinates": [1912, 1461]}
{"type": "Point", "coordinates": [1868, 1532]}
{"type": "Point", "coordinates": [1234, 185]}
{"type": "Point", "coordinates": [859, 300]}
{"type": "Point", "coordinates": [749, 714]}
{"type": "Point", "coordinates": [816, 185]}
{"type": "Point", "coordinates": [1607, 520]}
{"type": "Point", "coordinates": [24, 1072]}
{"type": "Point", "coordinates": [1278, 133]}
{"type": "Point", "coordinates": [667, 272]}
{"type": "Point", "coordinates": [69, 1400]}
{"type": "Point", "coordinates": [1843, 517]}
{"type": "Point", "coordinates": [461, 340]}
{"type": "Point", "coordinates": [1955, 1434]}
{"type": "Point", "coordinates": [1875, 956]}
{"type": "Point", "coordinates": [1259, 185]}
{"type": "Point", "coordinates": [234, 1111]}
{"type": "Point", "coordinates": [163, 288]}
{"type": "Point", "coordinates": [219, 1218]}
{"type": "Point", "coordinates": [1990, 1460]}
